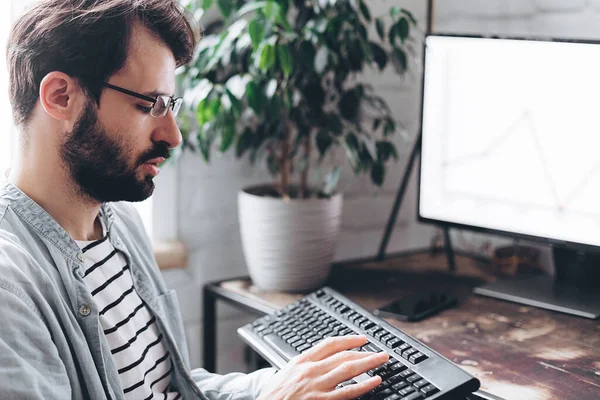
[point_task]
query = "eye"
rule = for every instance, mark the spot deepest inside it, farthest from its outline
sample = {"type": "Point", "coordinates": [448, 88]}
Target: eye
{"type": "Point", "coordinates": [144, 109]}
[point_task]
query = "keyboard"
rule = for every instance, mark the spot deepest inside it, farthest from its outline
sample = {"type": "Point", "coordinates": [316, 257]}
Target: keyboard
{"type": "Point", "coordinates": [413, 372]}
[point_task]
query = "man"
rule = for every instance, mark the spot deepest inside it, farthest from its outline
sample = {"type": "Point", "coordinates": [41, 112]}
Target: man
{"type": "Point", "coordinates": [85, 312]}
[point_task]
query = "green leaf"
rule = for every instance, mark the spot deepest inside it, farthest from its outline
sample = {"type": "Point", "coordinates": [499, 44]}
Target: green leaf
{"type": "Point", "coordinates": [378, 174]}
{"type": "Point", "coordinates": [400, 60]}
{"type": "Point", "coordinates": [285, 60]}
{"type": "Point", "coordinates": [380, 27]}
{"type": "Point", "coordinates": [206, 4]}
{"type": "Point", "coordinates": [403, 29]}
{"type": "Point", "coordinates": [207, 110]}
{"type": "Point", "coordinates": [274, 110]}
{"type": "Point", "coordinates": [350, 105]}
{"type": "Point", "coordinates": [393, 35]}
{"type": "Point", "coordinates": [267, 57]}
{"type": "Point", "coordinates": [255, 97]}
{"type": "Point", "coordinates": [376, 124]}
{"type": "Point", "coordinates": [321, 59]}
{"type": "Point", "coordinates": [350, 145]}
{"type": "Point", "coordinates": [250, 7]}
{"type": "Point", "coordinates": [225, 6]}
{"type": "Point", "coordinates": [257, 32]}
{"type": "Point", "coordinates": [409, 15]}
{"type": "Point", "coordinates": [288, 98]}
{"type": "Point", "coordinates": [379, 55]}
{"type": "Point", "coordinates": [385, 150]}
{"type": "Point", "coordinates": [324, 142]}
{"type": "Point", "coordinates": [389, 127]}
{"type": "Point", "coordinates": [395, 12]}
{"type": "Point", "coordinates": [227, 136]}
{"type": "Point", "coordinates": [244, 142]}
{"type": "Point", "coordinates": [365, 10]}
{"type": "Point", "coordinates": [370, 145]}
{"type": "Point", "coordinates": [236, 104]}
{"type": "Point", "coordinates": [272, 10]}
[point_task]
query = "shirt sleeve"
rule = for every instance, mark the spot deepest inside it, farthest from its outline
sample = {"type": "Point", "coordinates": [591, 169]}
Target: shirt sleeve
{"type": "Point", "coordinates": [234, 386]}
{"type": "Point", "coordinates": [30, 367]}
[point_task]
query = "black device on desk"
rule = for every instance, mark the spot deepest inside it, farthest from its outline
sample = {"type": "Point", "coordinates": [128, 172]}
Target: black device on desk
{"type": "Point", "coordinates": [413, 372]}
{"type": "Point", "coordinates": [416, 306]}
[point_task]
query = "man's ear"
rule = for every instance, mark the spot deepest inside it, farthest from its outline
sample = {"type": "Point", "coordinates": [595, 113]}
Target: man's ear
{"type": "Point", "coordinates": [61, 96]}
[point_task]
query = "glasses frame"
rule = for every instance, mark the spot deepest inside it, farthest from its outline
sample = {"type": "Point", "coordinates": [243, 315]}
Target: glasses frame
{"type": "Point", "coordinates": [174, 103]}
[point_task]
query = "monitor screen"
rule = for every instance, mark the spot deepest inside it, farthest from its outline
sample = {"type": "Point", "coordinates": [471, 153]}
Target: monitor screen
{"type": "Point", "coordinates": [511, 137]}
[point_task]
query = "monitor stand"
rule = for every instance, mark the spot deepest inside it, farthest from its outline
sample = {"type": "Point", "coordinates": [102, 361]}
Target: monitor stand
{"type": "Point", "coordinates": [575, 289]}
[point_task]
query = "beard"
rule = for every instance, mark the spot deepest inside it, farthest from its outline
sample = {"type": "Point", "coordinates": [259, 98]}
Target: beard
{"type": "Point", "coordinates": [101, 166]}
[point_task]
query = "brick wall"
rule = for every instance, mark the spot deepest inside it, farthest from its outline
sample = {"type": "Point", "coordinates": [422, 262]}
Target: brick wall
{"type": "Point", "coordinates": [207, 195]}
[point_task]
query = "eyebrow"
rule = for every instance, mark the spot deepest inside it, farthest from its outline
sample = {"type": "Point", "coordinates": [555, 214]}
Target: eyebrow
{"type": "Point", "coordinates": [156, 93]}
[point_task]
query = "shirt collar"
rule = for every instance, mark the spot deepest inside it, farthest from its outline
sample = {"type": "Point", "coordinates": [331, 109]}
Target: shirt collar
{"type": "Point", "coordinates": [40, 220]}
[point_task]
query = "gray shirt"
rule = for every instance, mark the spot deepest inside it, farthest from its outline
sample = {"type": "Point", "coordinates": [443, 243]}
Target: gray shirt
{"type": "Point", "coordinates": [51, 342]}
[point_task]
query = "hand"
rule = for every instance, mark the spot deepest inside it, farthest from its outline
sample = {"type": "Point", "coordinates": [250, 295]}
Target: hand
{"type": "Point", "coordinates": [315, 373]}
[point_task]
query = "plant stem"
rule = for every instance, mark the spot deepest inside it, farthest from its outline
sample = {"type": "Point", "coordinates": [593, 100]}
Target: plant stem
{"type": "Point", "coordinates": [304, 176]}
{"type": "Point", "coordinates": [285, 163]}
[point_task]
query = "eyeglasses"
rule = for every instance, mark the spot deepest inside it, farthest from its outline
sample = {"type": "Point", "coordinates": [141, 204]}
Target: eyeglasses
{"type": "Point", "coordinates": [160, 104]}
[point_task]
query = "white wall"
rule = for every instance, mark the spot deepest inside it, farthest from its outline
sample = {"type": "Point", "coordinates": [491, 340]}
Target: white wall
{"type": "Point", "coordinates": [207, 195]}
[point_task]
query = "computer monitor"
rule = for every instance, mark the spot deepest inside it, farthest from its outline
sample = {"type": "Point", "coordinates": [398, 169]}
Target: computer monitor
{"type": "Point", "coordinates": [511, 146]}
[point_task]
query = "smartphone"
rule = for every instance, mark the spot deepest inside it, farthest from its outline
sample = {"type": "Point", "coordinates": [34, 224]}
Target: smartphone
{"type": "Point", "coordinates": [417, 306]}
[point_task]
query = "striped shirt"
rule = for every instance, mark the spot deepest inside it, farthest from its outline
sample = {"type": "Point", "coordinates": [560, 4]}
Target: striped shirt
{"type": "Point", "coordinates": [137, 348]}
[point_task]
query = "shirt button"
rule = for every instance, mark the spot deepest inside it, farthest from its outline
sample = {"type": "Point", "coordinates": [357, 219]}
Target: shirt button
{"type": "Point", "coordinates": [81, 257]}
{"type": "Point", "coordinates": [85, 310]}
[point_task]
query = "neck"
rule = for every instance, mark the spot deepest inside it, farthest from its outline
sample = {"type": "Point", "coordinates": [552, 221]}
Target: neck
{"type": "Point", "coordinates": [50, 185]}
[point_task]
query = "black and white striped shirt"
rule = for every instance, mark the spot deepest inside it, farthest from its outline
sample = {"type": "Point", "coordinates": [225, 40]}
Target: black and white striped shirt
{"type": "Point", "coordinates": [137, 348]}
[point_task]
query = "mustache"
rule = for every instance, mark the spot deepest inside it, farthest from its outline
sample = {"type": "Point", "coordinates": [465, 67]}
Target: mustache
{"type": "Point", "coordinates": [159, 150]}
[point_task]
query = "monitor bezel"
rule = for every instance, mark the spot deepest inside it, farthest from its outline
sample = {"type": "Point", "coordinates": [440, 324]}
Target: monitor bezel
{"type": "Point", "coordinates": [480, 229]}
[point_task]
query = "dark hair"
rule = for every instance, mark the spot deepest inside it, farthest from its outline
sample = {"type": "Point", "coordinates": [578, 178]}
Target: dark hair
{"type": "Point", "coordinates": [87, 40]}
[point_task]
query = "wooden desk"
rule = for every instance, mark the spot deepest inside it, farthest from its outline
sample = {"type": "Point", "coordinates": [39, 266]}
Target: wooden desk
{"type": "Point", "coordinates": [517, 352]}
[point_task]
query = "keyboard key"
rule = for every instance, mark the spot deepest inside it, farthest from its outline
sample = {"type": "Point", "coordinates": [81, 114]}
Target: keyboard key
{"type": "Point", "coordinates": [393, 397]}
{"type": "Point", "coordinates": [281, 346]}
{"type": "Point", "coordinates": [381, 333]}
{"type": "Point", "coordinates": [381, 388]}
{"type": "Point", "coordinates": [429, 390]}
{"type": "Point", "coordinates": [417, 358]}
{"type": "Point", "coordinates": [402, 347]}
{"type": "Point", "coordinates": [399, 367]}
{"type": "Point", "coordinates": [385, 393]}
{"type": "Point", "coordinates": [395, 342]}
{"type": "Point", "coordinates": [303, 347]}
{"type": "Point", "coordinates": [399, 386]}
{"type": "Point", "coordinates": [413, 396]}
{"type": "Point", "coordinates": [407, 353]}
{"type": "Point", "coordinates": [413, 378]}
{"type": "Point", "coordinates": [406, 373]}
{"type": "Point", "coordinates": [421, 383]}
{"type": "Point", "coordinates": [406, 391]}
{"type": "Point", "coordinates": [395, 378]}
{"type": "Point", "coordinates": [374, 330]}
{"type": "Point", "coordinates": [367, 324]}
{"type": "Point", "coordinates": [387, 337]}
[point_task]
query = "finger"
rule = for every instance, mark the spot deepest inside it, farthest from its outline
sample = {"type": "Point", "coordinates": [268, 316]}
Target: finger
{"type": "Point", "coordinates": [351, 369]}
{"type": "Point", "coordinates": [333, 345]}
{"type": "Point", "coordinates": [356, 390]}
{"type": "Point", "coordinates": [335, 360]}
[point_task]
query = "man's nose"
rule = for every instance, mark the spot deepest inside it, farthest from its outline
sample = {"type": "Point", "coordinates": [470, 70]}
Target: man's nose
{"type": "Point", "coordinates": [168, 131]}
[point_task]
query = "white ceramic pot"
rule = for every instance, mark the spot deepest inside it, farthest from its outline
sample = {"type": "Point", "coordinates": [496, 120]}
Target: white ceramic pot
{"type": "Point", "coordinates": [288, 244]}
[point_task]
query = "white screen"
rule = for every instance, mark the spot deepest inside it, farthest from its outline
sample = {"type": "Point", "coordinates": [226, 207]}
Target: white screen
{"type": "Point", "coordinates": [511, 136]}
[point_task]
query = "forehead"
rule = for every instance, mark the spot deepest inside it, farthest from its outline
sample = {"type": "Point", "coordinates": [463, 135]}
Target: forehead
{"type": "Point", "coordinates": [150, 64]}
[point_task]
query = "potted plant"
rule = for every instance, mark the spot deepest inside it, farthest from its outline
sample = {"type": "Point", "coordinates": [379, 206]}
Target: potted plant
{"type": "Point", "coordinates": [280, 83]}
